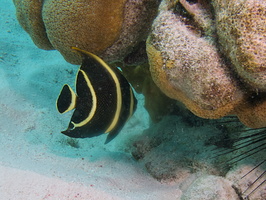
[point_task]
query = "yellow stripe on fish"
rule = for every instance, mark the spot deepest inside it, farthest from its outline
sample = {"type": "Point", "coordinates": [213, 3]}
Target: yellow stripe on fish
{"type": "Point", "coordinates": [93, 100]}
{"type": "Point", "coordinates": [103, 102]}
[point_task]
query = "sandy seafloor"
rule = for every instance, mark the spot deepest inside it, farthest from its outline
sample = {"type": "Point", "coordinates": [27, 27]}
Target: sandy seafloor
{"type": "Point", "coordinates": [38, 162]}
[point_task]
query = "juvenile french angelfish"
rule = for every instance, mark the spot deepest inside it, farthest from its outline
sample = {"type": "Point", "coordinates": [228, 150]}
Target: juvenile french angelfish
{"type": "Point", "coordinates": [103, 102]}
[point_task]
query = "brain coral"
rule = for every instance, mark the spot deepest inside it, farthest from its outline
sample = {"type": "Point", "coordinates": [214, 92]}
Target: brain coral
{"type": "Point", "coordinates": [242, 34]}
{"type": "Point", "coordinates": [211, 57]}
{"type": "Point", "coordinates": [29, 14]}
{"type": "Point", "coordinates": [187, 67]}
{"type": "Point", "coordinates": [110, 29]}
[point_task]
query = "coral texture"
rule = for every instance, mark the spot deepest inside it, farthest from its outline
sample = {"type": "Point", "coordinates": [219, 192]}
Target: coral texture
{"type": "Point", "coordinates": [107, 28]}
{"type": "Point", "coordinates": [242, 34]}
{"type": "Point", "coordinates": [211, 57]}
{"type": "Point", "coordinates": [188, 68]}
{"type": "Point", "coordinates": [210, 187]}
{"type": "Point", "coordinates": [238, 175]}
{"type": "Point", "coordinates": [253, 112]}
{"type": "Point", "coordinates": [29, 14]}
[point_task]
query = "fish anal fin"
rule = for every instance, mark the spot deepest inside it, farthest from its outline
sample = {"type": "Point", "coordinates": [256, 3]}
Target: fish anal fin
{"type": "Point", "coordinates": [112, 134]}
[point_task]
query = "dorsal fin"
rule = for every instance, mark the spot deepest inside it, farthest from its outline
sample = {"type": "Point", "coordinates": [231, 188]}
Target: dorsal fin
{"type": "Point", "coordinates": [85, 53]}
{"type": "Point", "coordinates": [66, 100]}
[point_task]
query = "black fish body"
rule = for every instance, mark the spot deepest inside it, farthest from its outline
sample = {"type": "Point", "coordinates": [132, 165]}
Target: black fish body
{"type": "Point", "coordinates": [104, 100]}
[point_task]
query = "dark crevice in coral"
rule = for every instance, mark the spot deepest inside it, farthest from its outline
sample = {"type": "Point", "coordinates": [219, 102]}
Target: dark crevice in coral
{"type": "Point", "coordinates": [188, 19]}
{"type": "Point", "coordinates": [192, 1]}
{"type": "Point", "coordinates": [208, 6]}
{"type": "Point", "coordinates": [213, 18]}
{"type": "Point", "coordinates": [159, 1]}
{"type": "Point", "coordinates": [181, 11]}
{"type": "Point", "coordinates": [256, 98]}
{"type": "Point", "coordinates": [137, 56]}
{"type": "Point", "coordinates": [190, 16]}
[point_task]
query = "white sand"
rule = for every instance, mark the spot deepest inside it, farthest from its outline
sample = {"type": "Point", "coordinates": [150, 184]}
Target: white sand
{"type": "Point", "coordinates": [36, 162]}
